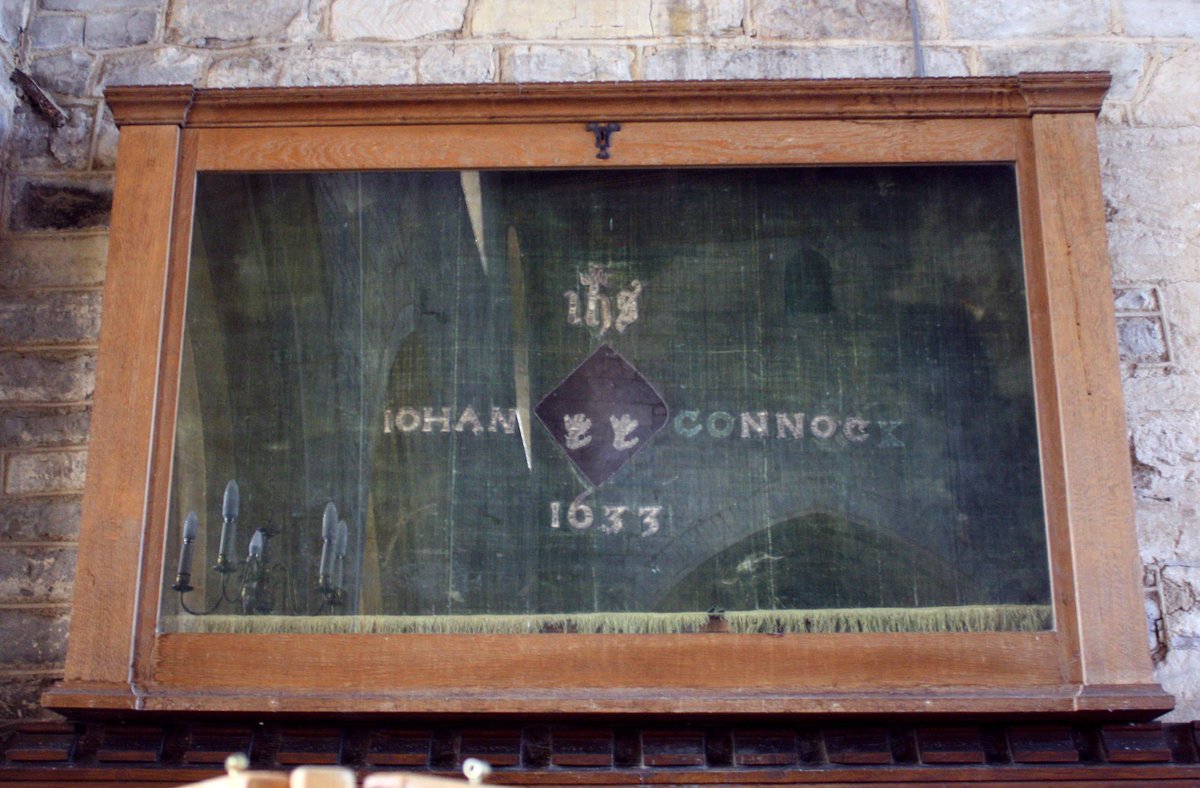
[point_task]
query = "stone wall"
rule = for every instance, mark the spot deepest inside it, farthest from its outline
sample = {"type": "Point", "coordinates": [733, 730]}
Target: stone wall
{"type": "Point", "coordinates": [57, 190]}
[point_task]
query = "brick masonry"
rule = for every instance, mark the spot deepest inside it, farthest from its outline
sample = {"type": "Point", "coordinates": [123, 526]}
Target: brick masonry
{"type": "Point", "coordinates": [57, 188]}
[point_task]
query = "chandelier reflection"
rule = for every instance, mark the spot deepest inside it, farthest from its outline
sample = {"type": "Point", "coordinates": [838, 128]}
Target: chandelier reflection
{"type": "Point", "coordinates": [258, 585]}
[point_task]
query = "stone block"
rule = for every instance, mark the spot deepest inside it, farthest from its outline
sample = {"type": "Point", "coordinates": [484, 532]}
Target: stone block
{"type": "Point", "coordinates": [45, 472]}
{"type": "Point", "coordinates": [1150, 184]}
{"type": "Point", "coordinates": [55, 31]}
{"type": "Point", "coordinates": [107, 137]}
{"type": "Point", "coordinates": [1170, 99]}
{"type": "Point", "coordinates": [217, 23]}
{"type": "Point", "coordinates": [694, 18]}
{"type": "Point", "coordinates": [33, 637]}
{"type": "Point", "coordinates": [158, 66]}
{"type": "Point", "coordinates": [35, 574]}
{"type": "Point", "coordinates": [1175, 391]}
{"type": "Point", "coordinates": [1141, 340]}
{"type": "Point", "coordinates": [363, 64]}
{"type": "Point", "coordinates": [451, 63]}
{"type": "Point", "coordinates": [49, 519]}
{"type": "Point", "coordinates": [20, 696]}
{"type": "Point", "coordinates": [1168, 444]}
{"type": "Point", "coordinates": [33, 144]}
{"type": "Point", "coordinates": [537, 19]}
{"type": "Point", "coordinates": [55, 317]}
{"type": "Point", "coordinates": [115, 29]}
{"type": "Point", "coordinates": [1161, 18]}
{"type": "Point", "coordinates": [47, 376]}
{"type": "Point", "coordinates": [52, 261]}
{"type": "Point", "coordinates": [1181, 605]}
{"type": "Point", "coordinates": [1179, 675]}
{"type": "Point", "coordinates": [395, 20]}
{"type": "Point", "coordinates": [1126, 62]}
{"type": "Point", "coordinates": [61, 204]}
{"type": "Point", "coordinates": [44, 427]}
{"type": "Point", "coordinates": [1167, 528]}
{"type": "Point", "coordinates": [1182, 308]}
{"type": "Point", "coordinates": [817, 62]}
{"type": "Point", "coordinates": [12, 14]}
{"type": "Point", "coordinates": [538, 63]}
{"type": "Point", "coordinates": [812, 20]}
{"type": "Point", "coordinates": [8, 101]}
{"type": "Point", "coordinates": [67, 72]}
{"type": "Point", "coordinates": [98, 5]}
{"type": "Point", "coordinates": [971, 19]}
{"type": "Point", "coordinates": [1135, 299]}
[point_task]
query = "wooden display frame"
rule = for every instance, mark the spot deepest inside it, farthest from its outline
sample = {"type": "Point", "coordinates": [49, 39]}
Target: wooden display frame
{"type": "Point", "coordinates": [1096, 660]}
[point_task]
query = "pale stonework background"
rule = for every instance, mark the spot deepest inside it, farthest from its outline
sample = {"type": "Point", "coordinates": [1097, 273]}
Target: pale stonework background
{"type": "Point", "coordinates": [57, 186]}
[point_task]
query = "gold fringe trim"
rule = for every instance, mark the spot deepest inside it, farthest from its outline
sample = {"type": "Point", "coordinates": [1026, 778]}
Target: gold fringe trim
{"type": "Point", "coordinates": [966, 618]}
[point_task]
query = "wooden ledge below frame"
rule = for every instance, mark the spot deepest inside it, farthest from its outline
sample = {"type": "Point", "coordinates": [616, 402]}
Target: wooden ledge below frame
{"type": "Point", "coordinates": [1133, 701]}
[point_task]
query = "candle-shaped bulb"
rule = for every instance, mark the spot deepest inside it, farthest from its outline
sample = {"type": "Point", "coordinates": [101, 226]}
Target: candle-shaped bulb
{"type": "Point", "coordinates": [191, 528]}
{"type": "Point", "coordinates": [231, 502]}
{"type": "Point", "coordinates": [256, 546]}
{"type": "Point", "coordinates": [341, 541]}
{"type": "Point", "coordinates": [329, 521]}
{"type": "Point", "coordinates": [229, 516]}
{"type": "Point", "coordinates": [328, 534]}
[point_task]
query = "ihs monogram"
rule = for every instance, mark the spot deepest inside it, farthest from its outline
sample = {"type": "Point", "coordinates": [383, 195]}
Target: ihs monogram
{"type": "Point", "coordinates": [597, 311]}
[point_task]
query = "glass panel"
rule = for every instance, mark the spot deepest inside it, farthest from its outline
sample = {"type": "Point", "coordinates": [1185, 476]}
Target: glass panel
{"type": "Point", "coordinates": [750, 400]}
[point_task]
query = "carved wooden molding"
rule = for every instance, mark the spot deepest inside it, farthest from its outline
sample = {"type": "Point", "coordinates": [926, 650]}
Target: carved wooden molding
{"type": "Point", "coordinates": [991, 97]}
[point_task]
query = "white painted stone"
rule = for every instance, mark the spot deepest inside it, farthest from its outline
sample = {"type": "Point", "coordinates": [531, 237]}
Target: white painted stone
{"type": "Point", "coordinates": [696, 18]}
{"type": "Point", "coordinates": [878, 20]}
{"type": "Point", "coordinates": [55, 31]}
{"type": "Point", "coordinates": [1169, 530]}
{"type": "Point", "coordinates": [972, 19]}
{"type": "Point", "coordinates": [159, 66]}
{"type": "Point", "coordinates": [1179, 390]}
{"type": "Point", "coordinates": [1173, 96]}
{"type": "Point", "coordinates": [291, 66]}
{"type": "Point", "coordinates": [539, 19]}
{"type": "Point", "coordinates": [1181, 605]}
{"type": "Point", "coordinates": [537, 63]}
{"type": "Point", "coordinates": [817, 62]}
{"type": "Point", "coordinates": [1141, 339]}
{"type": "Point", "coordinates": [1161, 17]}
{"type": "Point", "coordinates": [1168, 444]}
{"type": "Point", "coordinates": [255, 69]}
{"type": "Point", "coordinates": [1181, 303]}
{"type": "Point", "coordinates": [120, 28]}
{"type": "Point", "coordinates": [395, 20]}
{"type": "Point", "coordinates": [1179, 675]}
{"type": "Point", "coordinates": [457, 63]}
{"type": "Point", "coordinates": [1135, 299]}
{"type": "Point", "coordinates": [1126, 62]}
{"type": "Point", "coordinates": [1154, 197]}
{"type": "Point", "coordinates": [214, 23]}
